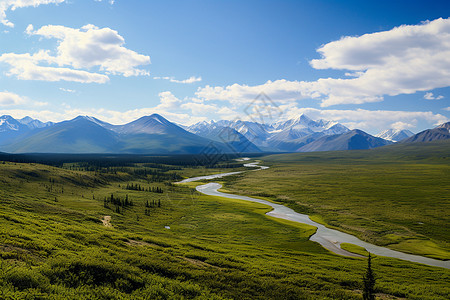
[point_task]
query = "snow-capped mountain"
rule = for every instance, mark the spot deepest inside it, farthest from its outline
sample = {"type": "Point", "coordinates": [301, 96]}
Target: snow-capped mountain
{"type": "Point", "coordinates": [83, 134]}
{"type": "Point", "coordinates": [156, 135]}
{"type": "Point", "coordinates": [224, 131]}
{"type": "Point", "coordinates": [34, 123]}
{"type": "Point", "coordinates": [8, 123]}
{"type": "Point", "coordinates": [12, 129]}
{"type": "Point", "coordinates": [292, 134]}
{"type": "Point", "coordinates": [395, 135]}
{"type": "Point", "coordinates": [286, 135]}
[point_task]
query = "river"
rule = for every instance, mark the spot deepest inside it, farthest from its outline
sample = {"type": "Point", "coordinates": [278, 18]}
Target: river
{"type": "Point", "coordinates": [330, 239]}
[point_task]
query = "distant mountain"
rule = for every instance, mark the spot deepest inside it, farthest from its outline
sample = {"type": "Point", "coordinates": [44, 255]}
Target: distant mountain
{"type": "Point", "coordinates": [8, 123]}
{"type": "Point", "coordinates": [395, 135]}
{"type": "Point", "coordinates": [147, 135]}
{"type": "Point", "coordinates": [154, 124]}
{"type": "Point", "coordinates": [352, 140]}
{"type": "Point", "coordinates": [155, 134]}
{"type": "Point", "coordinates": [442, 132]}
{"type": "Point", "coordinates": [232, 138]}
{"type": "Point", "coordinates": [80, 135]}
{"type": "Point", "coordinates": [295, 133]}
{"type": "Point", "coordinates": [285, 136]}
{"type": "Point", "coordinates": [11, 129]}
{"type": "Point", "coordinates": [34, 123]}
{"type": "Point", "coordinates": [255, 132]}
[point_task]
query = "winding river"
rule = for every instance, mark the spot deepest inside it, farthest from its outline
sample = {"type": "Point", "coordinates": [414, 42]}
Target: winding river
{"type": "Point", "coordinates": [330, 239]}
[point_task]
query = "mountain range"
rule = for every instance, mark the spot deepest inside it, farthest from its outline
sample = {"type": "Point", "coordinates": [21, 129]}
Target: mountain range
{"type": "Point", "coordinates": [395, 135]}
{"type": "Point", "coordinates": [285, 136]}
{"type": "Point", "coordinates": [441, 132]}
{"type": "Point", "coordinates": [147, 135]}
{"type": "Point", "coordinates": [156, 135]}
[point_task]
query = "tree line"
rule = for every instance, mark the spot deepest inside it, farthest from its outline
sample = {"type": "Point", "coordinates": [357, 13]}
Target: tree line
{"type": "Point", "coordinates": [138, 187]}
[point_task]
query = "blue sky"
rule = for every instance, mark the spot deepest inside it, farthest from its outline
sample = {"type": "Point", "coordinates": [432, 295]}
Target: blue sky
{"type": "Point", "coordinates": [371, 65]}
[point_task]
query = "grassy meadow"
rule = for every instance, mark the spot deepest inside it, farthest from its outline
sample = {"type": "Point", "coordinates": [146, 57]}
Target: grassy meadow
{"type": "Point", "coordinates": [55, 242]}
{"type": "Point", "coordinates": [396, 196]}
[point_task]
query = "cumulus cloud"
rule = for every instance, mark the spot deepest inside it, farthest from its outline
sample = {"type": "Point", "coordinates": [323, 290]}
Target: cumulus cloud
{"type": "Point", "coordinates": [110, 116]}
{"type": "Point", "coordinates": [91, 46]}
{"type": "Point", "coordinates": [199, 108]}
{"type": "Point", "coordinates": [404, 60]}
{"type": "Point", "coordinates": [78, 52]}
{"type": "Point", "coordinates": [191, 79]}
{"type": "Point", "coordinates": [168, 101]}
{"type": "Point", "coordinates": [430, 96]}
{"type": "Point", "coordinates": [9, 99]}
{"type": "Point", "coordinates": [279, 90]}
{"type": "Point", "coordinates": [401, 125]}
{"type": "Point", "coordinates": [6, 5]}
{"type": "Point", "coordinates": [371, 120]}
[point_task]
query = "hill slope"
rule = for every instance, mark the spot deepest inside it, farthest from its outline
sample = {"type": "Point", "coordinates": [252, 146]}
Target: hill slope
{"type": "Point", "coordinates": [442, 132]}
{"type": "Point", "coordinates": [147, 135]}
{"type": "Point", "coordinates": [79, 135]}
{"type": "Point", "coordinates": [352, 140]}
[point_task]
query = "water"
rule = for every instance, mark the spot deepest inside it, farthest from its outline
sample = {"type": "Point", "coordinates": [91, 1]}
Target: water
{"type": "Point", "coordinates": [330, 239]}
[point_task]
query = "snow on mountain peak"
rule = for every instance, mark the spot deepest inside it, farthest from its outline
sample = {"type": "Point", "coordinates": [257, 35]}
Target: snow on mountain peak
{"type": "Point", "coordinates": [395, 135]}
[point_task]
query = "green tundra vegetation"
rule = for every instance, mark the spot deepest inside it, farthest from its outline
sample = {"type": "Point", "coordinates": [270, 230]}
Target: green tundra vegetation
{"type": "Point", "coordinates": [76, 230]}
{"type": "Point", "coordinates": [395, 196]}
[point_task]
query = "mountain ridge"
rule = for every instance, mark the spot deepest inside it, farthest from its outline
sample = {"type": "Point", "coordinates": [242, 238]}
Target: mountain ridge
{"type": "Point", "coordinates": [153, 134]}
{"type": "Point", "coordinates": [352, 140]}
{"type": "Point", "coordinates": [441, 132]}
{"type": "Point", "coordinates": [395, 135]}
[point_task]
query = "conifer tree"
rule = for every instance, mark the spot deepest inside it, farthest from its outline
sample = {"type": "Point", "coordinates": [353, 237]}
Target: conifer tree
{"type": "Point", "coordinates": [369, 281]}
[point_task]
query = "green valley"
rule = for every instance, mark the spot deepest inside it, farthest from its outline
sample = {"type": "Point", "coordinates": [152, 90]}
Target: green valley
{"type": "Point", "coordinates": [62, 236]}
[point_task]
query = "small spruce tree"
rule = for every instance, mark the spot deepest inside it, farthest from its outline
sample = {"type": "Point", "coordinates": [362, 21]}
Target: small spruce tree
{"type": "Point", "coordinates": [369, 281]}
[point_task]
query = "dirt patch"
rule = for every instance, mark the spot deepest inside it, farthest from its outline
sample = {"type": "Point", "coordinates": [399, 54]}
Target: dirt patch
{"type": "Point", "coordinates": [15, 253]}
{"type": "Point", "coordinates": [11, 248]}
{"type": "Point", "coordinates": [107, 221]}
{"type": "Point", "coordinates": [388, 297]}
{"type": "Point", "coordinates": [198, 263]}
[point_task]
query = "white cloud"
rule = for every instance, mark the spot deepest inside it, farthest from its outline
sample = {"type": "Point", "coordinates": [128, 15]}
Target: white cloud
{"type": "Point", "coordinates": [91, 46]}
{"type": "Point", "coordinates": [227, 113]}
{"type": "Point", "coordinates": [78, 50]}
{"type": "Point", "coordinates": [191, 79]}
{"type": "Point", "coordinates": [371, 120]}
{"type": "Point", "coordinates": [9, 99]}
{"type": "Point", "coordinates": [430, 96]}
{"type": "Point", "coordinates": [111, 116]}
{"type": "Point", "coordinates": [401, 125]}
{"type": "Point", "coordinates": [199, 108]}
{"type": "Point", "coordinates": [404, 60]}
{"type": "Point", "coordinates": [447, 108]}
{"type": "Point", "coordinates": [110, 1]}
{"type": "Point", "coordinates": [6, 5]}
{"type": "Point", "coordinates": [279, 90]}
{"type": "Point", "coordinates": [168, 101]}
{"type": "Point", "coordinates": [67, 90]}
{"type": "Point", "coordinates": [26, 67]}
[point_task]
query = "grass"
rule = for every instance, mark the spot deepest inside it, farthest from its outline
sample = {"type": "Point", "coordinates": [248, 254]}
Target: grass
{"type": "Point", "coordinates": [354, 249]}
{"type": "Point", "coordinates": [53, 245]}
{"type": "Point", "coordinates": [393, 196]}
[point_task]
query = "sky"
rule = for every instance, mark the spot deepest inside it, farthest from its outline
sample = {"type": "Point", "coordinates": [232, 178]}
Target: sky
{"type": "Point", "coordinates": [371, 65]}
